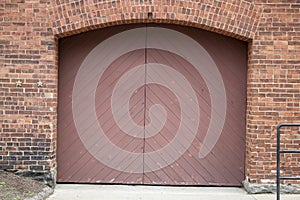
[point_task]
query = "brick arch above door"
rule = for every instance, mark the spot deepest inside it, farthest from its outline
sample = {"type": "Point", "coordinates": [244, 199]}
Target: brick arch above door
{"type": "Point", "coordinates": [237, 19]}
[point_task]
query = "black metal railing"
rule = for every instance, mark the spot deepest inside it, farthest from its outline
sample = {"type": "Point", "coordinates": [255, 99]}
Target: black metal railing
{"type": "Point", "coordinates": [279, 151]}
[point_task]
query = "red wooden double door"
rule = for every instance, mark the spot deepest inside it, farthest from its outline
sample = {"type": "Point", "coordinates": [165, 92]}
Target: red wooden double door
{"type": "Point", "coordinates": [151, 105]}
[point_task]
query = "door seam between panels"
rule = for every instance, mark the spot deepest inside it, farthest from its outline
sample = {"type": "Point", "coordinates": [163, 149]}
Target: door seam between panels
{"type": "Point", "coordinates": [145, 103]}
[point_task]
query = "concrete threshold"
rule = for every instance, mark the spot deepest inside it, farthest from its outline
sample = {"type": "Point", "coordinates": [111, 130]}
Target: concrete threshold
{"type": "Point", "coordinates": [129, 192]}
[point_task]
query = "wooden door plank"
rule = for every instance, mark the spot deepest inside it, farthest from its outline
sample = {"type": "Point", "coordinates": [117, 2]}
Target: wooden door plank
{"type": "Point", "coordinates": [75, 163]}
{"type": "Point", "coordinates": [225, 164]}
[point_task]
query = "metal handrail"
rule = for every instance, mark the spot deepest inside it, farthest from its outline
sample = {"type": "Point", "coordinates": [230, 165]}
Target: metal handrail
{"type": "Point", "coordinates": [278, 177]}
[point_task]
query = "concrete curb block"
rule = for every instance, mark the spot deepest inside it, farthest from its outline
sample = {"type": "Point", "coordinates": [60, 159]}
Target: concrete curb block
{"type": "Point", "coordinates": [271, 188]}
{"type": "Point", "coordinates": [47, 191]}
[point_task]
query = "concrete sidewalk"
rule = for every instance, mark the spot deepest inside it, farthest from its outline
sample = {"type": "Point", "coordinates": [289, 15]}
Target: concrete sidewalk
{"type": "Point", "coordinates": [124, 192]}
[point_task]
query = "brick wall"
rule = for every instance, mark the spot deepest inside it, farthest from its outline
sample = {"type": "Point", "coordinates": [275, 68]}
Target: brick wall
{"type": "Point", "coordinates": [27, 112]}
{"type": "Point", "coordinates": [28, 43]}
{"type": "Point", "coordinates": [273, 87]}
